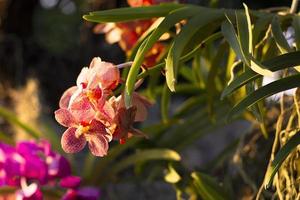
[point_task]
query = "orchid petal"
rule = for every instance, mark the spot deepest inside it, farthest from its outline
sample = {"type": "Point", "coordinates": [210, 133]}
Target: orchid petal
{"type": "Point", "coordinates": [65, 117]}
{"type": "Point", "coordinates": [98, 143]}
{"type": "Point", "coordinates": [70, 143]}
{"type": "Point", "coordinates": [70, 182]}
{"type": "Point", "coordinates": [107, 74]}
{"type": "Point", "coordinates": [83, 77]}
{"type": "Point", "coordinates": [65, 99]}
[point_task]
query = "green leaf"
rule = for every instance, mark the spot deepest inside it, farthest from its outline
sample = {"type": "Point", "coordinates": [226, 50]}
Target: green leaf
{"type": "Point", "coordinates": [280, 157]}
{"type": "Point", "coordinates": [260, 28]}
{"type": "Point", "coordinates": [182, 39]}
{"type": "Point", "coordinates": [280, 40]}
{"type": "Point", "coordinates": [259, 68]}
{"type": "Point", "coordinates": [230, 35]}
{"type": "Point", "coordinates": [296, 26]}
{"type": "Point", "coordinates": [165, 25]}
{"type": "Point", "coordinates": [245, 39]}
{"type": "Point", "coordinates": [207, 187]}
{"type": "Point", "coordinates": [244, 30]}
{"type": "Point", "coordinates": [129, 14]}
{"type": "Point", "coordinates": [12, 119]}
{"type": "Point", "coordinates": [280, 62]}
{"type": "Point", "coordinates": [145, 155]}
{"type": "Point", "coordinates": [264, 92]}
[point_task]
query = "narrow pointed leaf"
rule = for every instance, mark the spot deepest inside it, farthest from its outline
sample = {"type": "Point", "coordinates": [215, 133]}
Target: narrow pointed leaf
{"type": "Point", "coordinates": [163, 27]}
{"type": "Point", "coordinates": [280, 157]}
{"type": "Point", "coordinates": [296, 26]}
{"type": "Point", "coordinates": [146, 155]}
{"type": "Point", "coordinates": [230, 35]}
{"type": "Point", "coordinates": [280, 40]}
{"type": "Point", "coordinates": [280, 62]}
{"type": "Point", "coordinates": [129, 14]}
{"type": "Point", "coordinates": [207, 187]}
{"type": "Point", "coordinates": [182, 39]}
{"type": "Point", "coordinates": [264, 92]}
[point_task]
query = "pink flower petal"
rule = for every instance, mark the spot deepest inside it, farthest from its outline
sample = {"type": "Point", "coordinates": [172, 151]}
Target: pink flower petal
{"type": "Point", "coordinates": [65, 98]}
{"type": "Point", "coordinates": [82, 109]}
{"type": "Point", "coordinates": [65, 117]}
{"type": "Point", "coordinates": [70, 143]}
{"type": "Point", "coordinates": [98, 138]}
{"type": "Point", "coordinates": [98, 144]}
{"type": "Point", "coordinates": [103, 73]}
{"type": "Point", "coordinates": [142, 105]}
{"type": "Point", "coordinates": [83, 77]}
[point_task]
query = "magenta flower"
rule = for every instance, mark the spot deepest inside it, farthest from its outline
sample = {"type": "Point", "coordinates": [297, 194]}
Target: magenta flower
{"type": "Point", "coordinates": [74, 192]}
{"type": "Point", "coordinates": [29, 166]}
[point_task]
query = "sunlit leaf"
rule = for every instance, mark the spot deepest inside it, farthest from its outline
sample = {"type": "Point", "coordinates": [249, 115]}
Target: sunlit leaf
{"type": "Point", "coordinates": [277, 63]}
{"type": "Point", "coordinates": [145, 155]}
{"type": "Point", "coordinates": [172, 176]}
{"type": "Point", "coordinates": [264, 92]}
{"type": "Point", "coordinates": [164, 26]}
{"type": "Point", "coordinates": [282, 154]}
{"type": "Point", "coordinates": [280, 40]}
{"type": "Point", "coordinates": [230, 35]}
{"type": "Point", "coordinates": [185, 35]}
{"type": "Point", "coordinates": [129, 14]}
{"type": "Point", "coordinates": [207, 187]}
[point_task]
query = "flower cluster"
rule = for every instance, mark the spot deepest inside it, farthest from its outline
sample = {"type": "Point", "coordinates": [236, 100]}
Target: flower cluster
{"type": "Point", "coordinates": [128, 33]}
{"type": "Point", "coordinates": [30, 165]}
{"type": "Point", "coordinates": [93, 115]}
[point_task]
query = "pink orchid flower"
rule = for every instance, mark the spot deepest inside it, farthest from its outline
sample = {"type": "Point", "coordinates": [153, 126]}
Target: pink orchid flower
{"type": "Point", "coordinates": [81, 131]}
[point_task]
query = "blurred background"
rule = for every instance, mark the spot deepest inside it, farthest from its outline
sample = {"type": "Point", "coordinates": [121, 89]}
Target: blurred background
{"type": "Point", "coordinates": [43, 46]}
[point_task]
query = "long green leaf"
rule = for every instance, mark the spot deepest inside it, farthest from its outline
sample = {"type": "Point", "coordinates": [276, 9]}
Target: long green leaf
{"type": "Point", "coordinates": [145, 155]}
{"type": "Point", "coordinates": [280, 157]}
{"type": "Point", "coordinates": [296, 26]}
{"type": "Point", "coordinates": [207, 187]}
{"type": "Point", "coordinates": [236, 43]}
{"type": "Point", "coordinates": [165, 25]}
{"type": "Point", "coordinates": [280, 62]}
{"type": "Point", "coordinates": [280, 40]}
{"type": "Point", "coordinates": [230, 35]}
{"type": "Point", "coordinates": [182, 39]}
{"type": "Point", "coordinates": [264, 92]}
{"type": "Point", "coordinates": [129, 14]}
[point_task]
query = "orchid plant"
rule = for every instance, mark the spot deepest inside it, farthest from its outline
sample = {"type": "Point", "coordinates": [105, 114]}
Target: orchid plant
{"type": "Point", "coordinates": [213, 61]}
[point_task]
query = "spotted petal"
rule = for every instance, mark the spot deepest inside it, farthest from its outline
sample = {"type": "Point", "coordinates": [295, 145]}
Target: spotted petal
{"type": "Point", "coordinates": [70, 143]}
{"type": "Point", "coordinates": [98, 144]}
{"type": "Point", "coordinates": [65, 117]}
